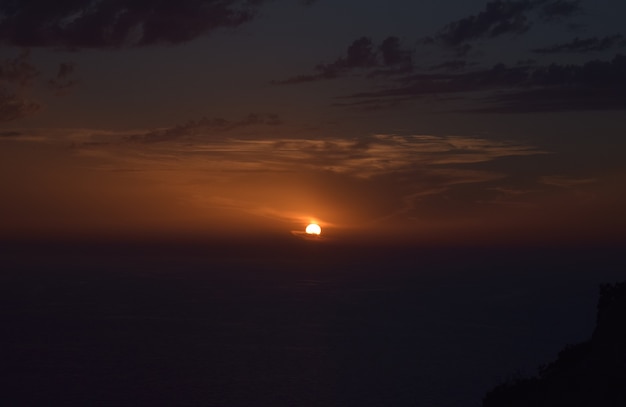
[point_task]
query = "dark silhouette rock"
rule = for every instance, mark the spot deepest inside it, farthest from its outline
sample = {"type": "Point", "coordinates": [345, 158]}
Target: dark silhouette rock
{"type": "Point", "coordinates": [591, 373]}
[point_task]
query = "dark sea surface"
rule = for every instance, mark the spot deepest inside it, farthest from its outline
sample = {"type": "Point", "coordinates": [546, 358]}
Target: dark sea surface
{"type": "Point", "coordinates": [305, 325]}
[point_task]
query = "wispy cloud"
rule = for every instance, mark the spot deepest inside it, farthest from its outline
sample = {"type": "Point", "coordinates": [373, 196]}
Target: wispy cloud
{"type": "Point", "coordinates": [583, 45]}
{"type": "Point", "coordinates": [363, 157]}
{"type": "Point", "coordinates": [205, 127]}
{"type": "Point", "coordinates": [566, 181]}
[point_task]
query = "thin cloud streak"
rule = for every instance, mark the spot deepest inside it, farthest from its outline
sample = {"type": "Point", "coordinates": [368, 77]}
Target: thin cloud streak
{"type": "Point", "coordinates": [364, 157]}
{"type": "Point", "coordinates": [584, 45]}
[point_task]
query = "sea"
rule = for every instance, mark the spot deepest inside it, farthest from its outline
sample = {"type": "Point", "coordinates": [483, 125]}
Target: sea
{"type": "Point", "coordinates": [304, 324]}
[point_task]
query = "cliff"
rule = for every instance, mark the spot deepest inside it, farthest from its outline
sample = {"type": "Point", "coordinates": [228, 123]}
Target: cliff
{"type": "Point", "coordinates": [592, 373]}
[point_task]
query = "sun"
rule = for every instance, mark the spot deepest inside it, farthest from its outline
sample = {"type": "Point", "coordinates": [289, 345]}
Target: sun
{"type": "Point", "coordinates": [313, 229]}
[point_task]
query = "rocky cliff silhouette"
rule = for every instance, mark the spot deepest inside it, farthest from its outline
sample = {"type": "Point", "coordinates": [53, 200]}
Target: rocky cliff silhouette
{"type": "Point", "coordinates": [591, 373]}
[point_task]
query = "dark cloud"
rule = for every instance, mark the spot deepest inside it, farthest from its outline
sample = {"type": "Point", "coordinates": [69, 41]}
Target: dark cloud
{"type": "Point", "coordinates": [498, 17]}
{"type": "Point", "coordinates": [554, 99]}
{"type": "Point", "coordinates": [593, 85]}
{"type": "Point", "coordinates": [361, 54]}
{"type": "Point", "coordinates": [433, 83]}
{"type": "Point", "coordinates": [65, 69]}
{"type": "Point", "coordinates": [560, 8]}
{"type": "Point", "coordinates": [117, 23]}
{"type": "Point", "coordinates": [63, 79]}
{"type": "Point", "coordinates": [10, 133]}
{"type": "Point", "coordinates": [392, 52]}
{"type": "Point", "coordinates": [13, 107]}
{"type": "Point", "coordinates": [390, 58]}
{"type": "Point", "coordinates": [373, 104]}
{"type": "Point", "coordinates": [596, 73]}
{"type": "Point", "coordinates": [16, 77]}
{"type": "Point", "coordinates": [584, 45]}
{"type": "Point", "coordinates": [503, 17]}
{"type": "Point", "coordinates": [19, 70]}
{"type": "Point", "coordinates": [454, 65]}
{"type": "Point", "coordinates": [16, 74]}
{"type": "Point", "coordinates": [204, 127]}
{"type": "Point", "coordinates": [305, 78]}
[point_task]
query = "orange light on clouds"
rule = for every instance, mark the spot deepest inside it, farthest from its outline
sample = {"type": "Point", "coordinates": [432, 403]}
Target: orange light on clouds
{"type": "Point", "coordinates": [390, 189]}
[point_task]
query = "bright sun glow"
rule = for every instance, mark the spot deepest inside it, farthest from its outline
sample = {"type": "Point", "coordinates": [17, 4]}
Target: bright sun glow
{"type": "Point", "coordinates": [313, 229]}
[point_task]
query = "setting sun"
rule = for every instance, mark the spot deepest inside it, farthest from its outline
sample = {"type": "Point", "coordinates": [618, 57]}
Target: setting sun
{"type": "Point", "coordinates": [313, 229]}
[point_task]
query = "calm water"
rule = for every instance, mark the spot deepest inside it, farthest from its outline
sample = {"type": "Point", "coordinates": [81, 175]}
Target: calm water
{"type": "Point", "coordinates": [319, 327]}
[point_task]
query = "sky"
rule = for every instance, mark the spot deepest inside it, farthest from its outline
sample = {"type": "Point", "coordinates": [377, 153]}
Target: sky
{"type": "Point", "coordinates": [395, 122]}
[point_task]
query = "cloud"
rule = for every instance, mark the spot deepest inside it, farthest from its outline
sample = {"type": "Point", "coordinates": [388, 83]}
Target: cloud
{"type": "Point", "coordinates": [594, 85]}
{"type": "Point", "coordinates": [364, 55]}
{"type": "Point", "coordinates": [392, 52]}
{"type": "Point", "coordinates": [453, 65]}
{"type": "Point", "coordinates": [13, 107]}
{"type": "Point", "coordinates": [63, 81]}
{"type": "Point", "coordinates": [498, 17]}
{"type": "Point", "coordinates": [565, 181]}
{"type": "Point", "coordinates": [204, 127]}
{"type": "Point", "coordinates": [552, 10]}
{"type": "Point", "coordinates": [17, 74]}
{"type": "Point", "coordinates": [120, 23]}
{"type": "Point", "coordinates": [435, 83]}
{"type": "Point", "coordinates": [390, 58]}
{"type": "Point", "coordinates": [19, 70]}
{"type": "Point", "coordinates": [359, 157]}
{"type": "Point", "coordinates": [10, 133]}
{"type": "Point", "coordinates": [503, 17]}
{"type": "Point", "coordinates": [584, 45]}
{"type": "Point", "coordinates": [556, 99]}
{"type": "Point", "coordinates": [360, 54]}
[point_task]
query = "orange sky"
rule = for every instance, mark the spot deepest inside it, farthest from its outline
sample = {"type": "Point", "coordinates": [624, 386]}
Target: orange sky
{"type": "Point", "coordinates": [385, 188]}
